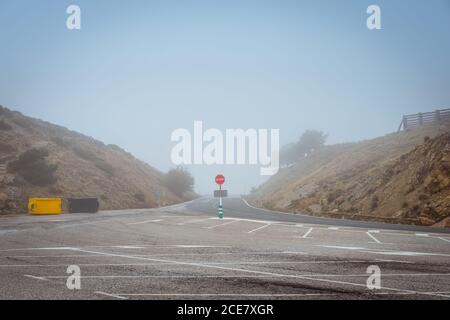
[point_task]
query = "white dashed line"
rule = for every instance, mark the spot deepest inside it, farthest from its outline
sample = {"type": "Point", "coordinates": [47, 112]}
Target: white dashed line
{"type": "Point", "coordinates": [375, 239]}
{"type": "Point", "coordinates": [257, 229]}
{"type": "Point", "coordinates": [111, 295]}
{"type": "Point", "coordinates": [35, 277]}
{"type": "Point", "coordinates": [257, 272]}
{"type": "Point", "coordinates": [144, 222]}
{"type": "Point", "coordinates": [223, 224]}
{"type": "Point", "coordinates": [225, 294]}
{"type": "Point", "coordinates": [193, 221]}
{"type": "Point", "coordinates": [307, 233]}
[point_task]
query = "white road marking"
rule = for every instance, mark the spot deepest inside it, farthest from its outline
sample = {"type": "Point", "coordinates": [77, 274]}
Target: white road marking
{"type": "Point", "coordinates": [444, 239]}
{"type": "Point", "coordinates": [144, 222]}
{"type": "Point", "coordinates": [260, 228]}
{"type": "Point", "coordinates": [398, 261]}
{"type": "Point", "coordinates": [198, 246]}
{"type": "Point", "coordinates": [307, 233]}
{"type": "Point", "coordinates": [410, 253]}
{"type": "Point", "coordinates": [176, 262]}
{"type": "Point", "coordinates": [349, 229]}
{"type": "Point", "coordinates": [156, 254]}
{"type": "Point", "coordinates": [363, 275]}
{"type": "Point", "coordinates": [193, 221]}
{"type": "Point", "coordinates": [294, 252]}
{"type": "Point", "coordinates": [333, 228]}
{"type": "Point", "coordinates": [345, 248]}
{"type": "Point", "coordinates": [226, 294]}
{"type": "Point", "coordinates": [422, 234]}
{"type": "Point", "coordinates": [375, 239]}
{"type": "Point", "coordinates": [128, 247]}
{"type": "Point", "coordinates": [389, 252]}
{"type": "Point", "coordinates": [396, 253]}
{"type": "Point", "coordinates": [83, 224]}
{"type": "Point", "coordinates": [35, 277]}
{"type": "Point", "coordinates": [116, 246]}
{"type": "Point", "coordinates": [223, 224]}
{"type": "Point", "coordinates": [111, 295]}
{"type": "Point", "coordinates": [54, 256]}
{"type": "Point", "coordinates": [261, 272]}
{"type": "Point", "coordinates": [31, 249]}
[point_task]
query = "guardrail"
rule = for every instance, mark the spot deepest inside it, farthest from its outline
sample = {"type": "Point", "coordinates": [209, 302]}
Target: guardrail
{"type": "Point", "coordinates": [424, 119]}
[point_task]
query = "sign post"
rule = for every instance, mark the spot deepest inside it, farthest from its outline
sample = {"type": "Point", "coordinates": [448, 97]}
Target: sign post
{"type": "Point", "coordinates": [220, 180]}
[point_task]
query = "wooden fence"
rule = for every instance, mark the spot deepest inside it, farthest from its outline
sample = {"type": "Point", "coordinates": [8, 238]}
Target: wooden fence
{"type": "Point", "coordinates": [424, 119]}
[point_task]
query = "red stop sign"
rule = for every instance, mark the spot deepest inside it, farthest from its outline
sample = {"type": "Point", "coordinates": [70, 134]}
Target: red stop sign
{"type": "Point", "coordinates": [220, 179]}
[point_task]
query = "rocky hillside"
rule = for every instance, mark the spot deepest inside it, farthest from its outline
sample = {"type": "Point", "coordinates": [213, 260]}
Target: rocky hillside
{"type": "Point", "coordinates": [398, 178]}
{"type": "Point", "coordinates": [39, 159]}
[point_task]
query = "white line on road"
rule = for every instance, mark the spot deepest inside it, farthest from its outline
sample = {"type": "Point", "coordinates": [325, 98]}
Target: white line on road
{"type": "Point", "coordinates": [226, 294]}
{"type": "Point", "coordinates": [333, 228]}
{"type": "Point", "coordinates": [344, 248]}
{"type": "Point", "coordinates": [257, 229]}
{"type": "Point", "coordinates": [156, 254]}
{"type": "Point", "coordinates": [223, 224]}
{"type": "Point", "coordinates": [422, 234]}
{"type": "Point", "coordinates": [363, 275]}
{"type": "Point", "coordinates": [147, 221]}
{"type": "Point", "coordinates": [198, 246]}
{"type": "Point", "coordinates": [177, 262]}
{"type": "Point", "coordinates": [398, 261]}
{"type": "Point", "coordinates": [111, 295]}
{"type": "Point", "coordinates": [193, 264]}
{"type": "Point", "coordinates": [388, 252]}
{"type": "Point", "coordinates": [193, 221]}
{"type": "Point", "coordinates": [375, 239]}
{"type": "Point", "coordinates": [128, 247]}
{"type": "Point", "coordinates": [444, 239]}
{"type": "Point", "coordinates": [116, 246]}
{"type": "Point", "coordinates": [35, 277]}
{"type": "Point", "coordinates": [307, 233]}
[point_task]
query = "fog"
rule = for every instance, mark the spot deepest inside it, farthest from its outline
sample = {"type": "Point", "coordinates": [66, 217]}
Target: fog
{"type": "Point", "coordinates": [137, 71]}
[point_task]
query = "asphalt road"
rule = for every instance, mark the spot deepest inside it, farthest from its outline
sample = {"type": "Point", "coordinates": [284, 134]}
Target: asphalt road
{"type": "Point", "coordinates": [185, 252]}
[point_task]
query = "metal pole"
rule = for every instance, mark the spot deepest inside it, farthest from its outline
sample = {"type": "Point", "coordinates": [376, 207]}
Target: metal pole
{"type": "Point", "coordinates": [220, 211]}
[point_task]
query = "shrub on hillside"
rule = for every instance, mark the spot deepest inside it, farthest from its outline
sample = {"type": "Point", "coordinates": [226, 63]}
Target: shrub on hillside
{"type": "Point", "coordinates": [179, 181]}
{"type": "Point", "coordinates": [104, 166]}
{"type": "Point", "coordinates": [140, 197]}
{"type": "Point", "coordinates": [310, 141]}
{"type": "Point", "coordinates": [6, 148]}
{"type": "Point", "coordinates": [59, 141]}
{"type": "Point", "coordinates": [22, 122]}
{"type": "Point", "coordinates": [32, 165]}
{"type": "Point", "coordinates": [4, 126]}
{"type": "Point", "coordinates": [85, 154]}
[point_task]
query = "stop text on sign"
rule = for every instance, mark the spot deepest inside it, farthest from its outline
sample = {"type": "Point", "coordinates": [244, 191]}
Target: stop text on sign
{"type": "Point", "coordinates": [234, 147]}
{"type": "Point", "coordinates": [220, 179]}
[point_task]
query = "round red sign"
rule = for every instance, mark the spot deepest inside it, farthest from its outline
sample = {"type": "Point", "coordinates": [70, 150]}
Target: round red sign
{"type": "Point", "coordinates": [220, 179]}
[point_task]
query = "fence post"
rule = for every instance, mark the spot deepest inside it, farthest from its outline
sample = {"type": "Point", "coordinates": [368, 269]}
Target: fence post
{"type": "Point", "coordinates": [405, 123]}
{"type": "Point", "coordinates": [437, 116]}
{"type": "Point", "coordinates": [420, 119]}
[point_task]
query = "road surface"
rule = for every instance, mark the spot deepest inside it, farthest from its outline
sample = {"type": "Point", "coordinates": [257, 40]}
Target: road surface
{"type": "Point", "coordinates": [185, 252]}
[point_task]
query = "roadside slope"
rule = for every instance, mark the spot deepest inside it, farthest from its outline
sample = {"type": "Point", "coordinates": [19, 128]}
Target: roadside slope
{"type": "Point", "coordinates": [63, 163]}
{"type": "Point", "coordinates": [398, 178]}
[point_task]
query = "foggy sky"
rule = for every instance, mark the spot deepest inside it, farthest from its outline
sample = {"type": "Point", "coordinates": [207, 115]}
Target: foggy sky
{"type": "Point", "coordinates": [140, 69]}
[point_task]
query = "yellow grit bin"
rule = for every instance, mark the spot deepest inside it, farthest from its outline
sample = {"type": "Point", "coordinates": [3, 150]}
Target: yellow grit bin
{"type": "Point", "coordinates": [45, 206]}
